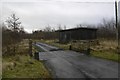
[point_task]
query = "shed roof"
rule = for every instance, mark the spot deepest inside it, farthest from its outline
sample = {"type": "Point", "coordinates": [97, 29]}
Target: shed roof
{"type": "Point", "coordinates": [77, 29]}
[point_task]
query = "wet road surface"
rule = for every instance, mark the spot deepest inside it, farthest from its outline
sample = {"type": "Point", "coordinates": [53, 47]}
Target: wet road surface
{"type": "Point", "coordinates": [71, 64]}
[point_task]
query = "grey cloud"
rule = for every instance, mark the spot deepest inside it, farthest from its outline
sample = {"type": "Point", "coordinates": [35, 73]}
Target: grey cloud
{"type": "Point", "coordinates": [35, 15]}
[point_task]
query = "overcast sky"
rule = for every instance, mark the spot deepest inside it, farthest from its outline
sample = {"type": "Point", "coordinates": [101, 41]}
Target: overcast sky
{"type": "Point", "coordinates": [36, 14]}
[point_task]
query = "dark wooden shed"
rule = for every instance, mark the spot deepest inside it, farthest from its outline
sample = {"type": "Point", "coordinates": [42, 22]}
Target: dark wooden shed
{"type": "Point", "coordinates": [81, 33]}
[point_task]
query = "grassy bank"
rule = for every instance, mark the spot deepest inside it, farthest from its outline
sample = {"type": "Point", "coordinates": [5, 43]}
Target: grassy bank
{"type": "Point", "coordinates": [21, 65]}
{"type": "Point", "coordinates": [106, 49]}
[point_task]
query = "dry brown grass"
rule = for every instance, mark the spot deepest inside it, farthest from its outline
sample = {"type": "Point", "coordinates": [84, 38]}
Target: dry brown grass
{"type": "Point", "coordinates": [106, 49]}
{"type": "Point", "coordinates": [106, 45]}
{"type": "Point", "coordinates": [21, 65]}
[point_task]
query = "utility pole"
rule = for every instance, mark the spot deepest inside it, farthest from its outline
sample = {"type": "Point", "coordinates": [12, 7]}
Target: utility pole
{"type": "Point", "coordinates": [117, 28]}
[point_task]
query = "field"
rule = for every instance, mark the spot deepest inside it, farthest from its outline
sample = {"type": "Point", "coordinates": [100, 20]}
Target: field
{"type": "Point", "coordinates": [21, 65]}
{"type": "Point", "coordinates": [105, 49]}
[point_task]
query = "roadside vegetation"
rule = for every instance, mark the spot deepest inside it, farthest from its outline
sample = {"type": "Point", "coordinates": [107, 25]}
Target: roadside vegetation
{"type": "Point", "coordinates": [105, 49]}
{"type": "Point", "coordinates": [21, 65]}
{"type": "Point", "coordinates": [16, 62]}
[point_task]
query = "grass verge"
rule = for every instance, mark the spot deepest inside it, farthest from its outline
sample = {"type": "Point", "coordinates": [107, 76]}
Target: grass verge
{"type": "Point", "coordinates": [106, 55]}
{"type": "Point", "coordinates": [21, 65]}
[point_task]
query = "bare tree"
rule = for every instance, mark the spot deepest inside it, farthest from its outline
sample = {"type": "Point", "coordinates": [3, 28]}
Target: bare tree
{"type": "Point", "coordinates": [13, 23]}
{"type": "Point", "coordinates": [64, 27]}
{"type": "Point", "coordinates": [48, 28]}
{"type": "Point", "coordinates": [21, 30]}
{"type": "Point", "coordinates": [107, 29]}
{"type": "Point", "coordinates": [59, 27]}
{"type": "Point", "coordinates": [3, 26]}
{"type": "Point", "coordinates": [78, 25]}
{"type": "Point", "coordinates": [53, 29]}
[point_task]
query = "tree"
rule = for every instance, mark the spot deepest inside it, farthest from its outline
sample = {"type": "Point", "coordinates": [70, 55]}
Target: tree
{"type": "Point", "coordinates": [21, 30]}
{"type": "Point", "coordinates": [13, 23]}
{"type": "Point", "coordinates": [64, 27]}
{"type": "Point", "coordinates": [78, 25]}
{"type": "Point", "coordinates": [48, 29]}
{"type": "Point", "coordinates": [107, 29]}
{"type": "Point", "coordinates": [53, 29]}
{"type": "Point", "coordinates": [59, 27]}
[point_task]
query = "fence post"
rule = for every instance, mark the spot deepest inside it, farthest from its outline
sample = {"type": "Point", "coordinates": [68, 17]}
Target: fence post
{"type": "Point", "coordinates": [30, 48]}
{"type": "Point", "coordinates": [70, 47]}
{"type": "Point", "coordinates": [36, 55]}
{"type": "Point", "coordinates": [88, 48]}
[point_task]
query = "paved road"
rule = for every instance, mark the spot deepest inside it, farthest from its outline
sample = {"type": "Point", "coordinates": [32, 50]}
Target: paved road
{"type": "Point", "coordinates": [71, 64]}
